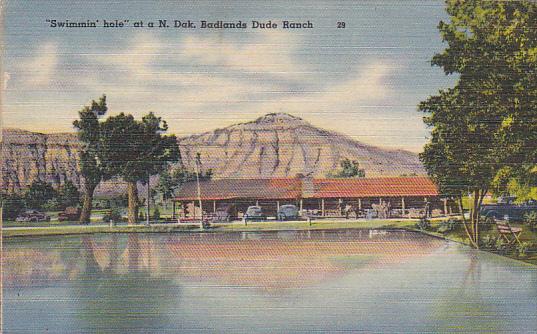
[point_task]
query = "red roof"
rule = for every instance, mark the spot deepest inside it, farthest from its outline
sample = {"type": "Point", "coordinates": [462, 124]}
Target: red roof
{"type": "Point", "coordinates": [294, 188]}
{"type": "Point", "coordinates": [281, 188]}
{"type": "Point", "coordinates": [374, 187]}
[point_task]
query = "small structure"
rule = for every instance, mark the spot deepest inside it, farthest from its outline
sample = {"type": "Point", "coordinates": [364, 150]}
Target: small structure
{"type": "Point", "coordinates": [376, 197]}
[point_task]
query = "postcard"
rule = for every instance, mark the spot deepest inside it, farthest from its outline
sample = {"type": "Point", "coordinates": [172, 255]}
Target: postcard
{"type": "Point", "coordinates": [268, 166]}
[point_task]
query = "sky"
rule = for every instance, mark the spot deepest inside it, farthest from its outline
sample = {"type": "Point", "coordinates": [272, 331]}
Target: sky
{"type": "Point", "coordinates": [364, 81]}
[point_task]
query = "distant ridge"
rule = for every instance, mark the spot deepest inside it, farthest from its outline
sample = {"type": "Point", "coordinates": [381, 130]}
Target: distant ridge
{"type": "Point", "coordinates": [275, 145]}
{"type": "Point", "coordinates": [282, 145]}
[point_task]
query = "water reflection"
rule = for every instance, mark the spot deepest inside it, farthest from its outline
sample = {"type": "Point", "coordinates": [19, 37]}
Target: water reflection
{"type": "Point", "coordinates": [283, 282]}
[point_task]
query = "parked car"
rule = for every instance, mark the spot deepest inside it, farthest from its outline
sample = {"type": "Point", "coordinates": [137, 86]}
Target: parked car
{"type": "Point", "coordinates": [224, 213]}
{"type": "Point", "coordinates": [32, 216]}
{"type": "Point", "coordinates": [254, 213]}
{"type": "Point", "coordinates": [288, 212]}
{"type": "Point", "coordinates": [507, 209]}
{"type": "Point", "coordinates": [69, 214]}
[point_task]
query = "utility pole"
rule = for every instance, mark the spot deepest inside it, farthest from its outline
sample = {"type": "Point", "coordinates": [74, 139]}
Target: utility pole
{"type": "Point", "coordinates": [199, 190]}
{"type": "Point", "coordinates": [147, 221]}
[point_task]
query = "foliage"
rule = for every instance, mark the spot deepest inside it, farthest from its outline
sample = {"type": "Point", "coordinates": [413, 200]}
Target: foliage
{"type": "Point", "coordinates": [170, 181]}
{"type": "Point", "coordinates": [52, 204]}
{"type": "Point", "coordinates": [135, 150]}
{"type": "Point", "coordinates": [13, 204]}
{"type": "Point", "coordinates": [489, 242]}
{"type": "Point", "coordinates": [348, 169]}
{"type": "Point", "coordinates": [501, 245]}
{"type": "Point", "coordinates": [89, 135]}
{"type": "Point", "coordinates": [156, 214]}
{"type": "Point", "coordinates": [423, 224]}
{"type": "Point", "coordinates": [480, 127]}
{"type": "Point", "coordinates": [530, 218]}
{"type": "Point", "coordinates": [68, 195]}
{"type": "Point", "coordinates": [113, 215]}
{"type": "Point", "coordinates": [523, 248]}
{"type": "Point", "coordinates": [447, 226]}
{"type": "Point", "coordinates": [38, 194]}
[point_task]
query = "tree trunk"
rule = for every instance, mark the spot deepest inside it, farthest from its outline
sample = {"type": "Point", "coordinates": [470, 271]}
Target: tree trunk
{"type": "Point", "coordinates": [468, 233]}
{"type": "Point", "coordinates": [132, 192]}
{"type": "Point", "coordinates": [87, 204]}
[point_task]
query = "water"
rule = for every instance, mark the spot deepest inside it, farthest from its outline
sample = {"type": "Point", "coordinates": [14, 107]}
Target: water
{"type": "Point", "coordinates": [277, 282]}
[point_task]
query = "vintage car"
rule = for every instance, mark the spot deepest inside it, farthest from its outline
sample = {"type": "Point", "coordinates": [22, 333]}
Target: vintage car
{"type": "Point", "coordinates": [69, 214]}
{"type": "Point", "coordinates": [254, 213]}
{"type": "Point", "coordinates": [32, 216]}
{"type": "Point", "coordinates": [288, 212]}
{"type": "Point", "coordinates": [507, 209]}
{"type": "Point", "coordinates": [224, 213]}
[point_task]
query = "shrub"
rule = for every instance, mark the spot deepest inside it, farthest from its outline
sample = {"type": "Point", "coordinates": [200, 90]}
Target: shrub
{"type": "Point", "coordinates": [522, 249]}
{"type": "Point", "coordinates": [488, 242]}
{"type": "Point", "coordinates": [114, 215]}
{"type": "Point", "coordinates": [13, 205]}
{"type": "Point", "coordinates": [501, 245]}
{"type": "Point", "coordinates": [423, 224]}
{"type": "Point", "coordinates": [530, 218]}
{"type": "Point", "coordinates": [52, 205]}
{"type": "Point", "coordinates": [447, 226]}
{"type": "Point", "coordinates": [156, 214]}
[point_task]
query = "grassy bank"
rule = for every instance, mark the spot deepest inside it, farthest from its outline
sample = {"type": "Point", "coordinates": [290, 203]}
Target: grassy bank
{"type": "Point", "coordinates": [55, 229]}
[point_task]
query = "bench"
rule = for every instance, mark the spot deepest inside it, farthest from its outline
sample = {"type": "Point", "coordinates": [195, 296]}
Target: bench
{"type": "Point", "coordinates": [510, 234]}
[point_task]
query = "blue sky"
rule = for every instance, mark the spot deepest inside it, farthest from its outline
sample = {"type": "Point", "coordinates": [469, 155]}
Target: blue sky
{"type": "Point", "coordinates": [364, 81]}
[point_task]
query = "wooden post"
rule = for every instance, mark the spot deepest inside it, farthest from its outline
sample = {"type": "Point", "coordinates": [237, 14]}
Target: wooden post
{"type": "Point", "coordinates": [173, 210]}
{"type": "Point", "coordinates": [301, 206]}
{"type": "Point", "coordinates": [256, 202]}
{"type": "Point", "coordinates": [322, 207]}
{"type": "Point", "coordinates": [359, 204]}
{"type": "Point", "coordinates": [214, 206]}
{"type": "Point", "coordinates": [445, 206]}
{"type": "Point", "coordinates": [403, 206]}
{"type": "Point", "coordinates": [340, 202]}
{"type": "Point", "coordinates": [277, 206]}
{"type": "Point", "coordinates": [380, 200]}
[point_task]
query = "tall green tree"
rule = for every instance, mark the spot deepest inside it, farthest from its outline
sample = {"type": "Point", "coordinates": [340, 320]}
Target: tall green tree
{"type": "Point", "coordinates": [480, 127]}
{"type": "Point", "coordinates": [88, 128]}
{"type": "Point", "coordinates": [135, 150]}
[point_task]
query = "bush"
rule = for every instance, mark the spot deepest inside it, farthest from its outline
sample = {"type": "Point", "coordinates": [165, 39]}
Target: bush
{"type": "Point", "coordinates": [522, 249]}
{"type": "Point", "coordinates": [39, 193]}
{"type": "Point", "coordinates": [113, 215]}
{"type": "Point", "coordinates": [13, 205]}
{"type": "Point", "coordinates": [530, 218]}
{"type": "Point", "coordinates": [52, 205]}
{"type": "Point", "coordinates": [447, 226]}
{"type": "Point", "coordinates": [501, 245]}
{"type": "Point", "coordinates": [489, 242]}
{"type": "Point", "coordinates": [156, 214]}
{"type": "Point", "coordinates": [424, 224]}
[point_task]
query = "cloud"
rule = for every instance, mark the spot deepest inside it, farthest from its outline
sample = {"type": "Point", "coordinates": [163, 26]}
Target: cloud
{"type": "Point", "coordinates": [270, 53]}
{"type": "Point", "coordinates": [368, 84]}
{"type": "Point", "coordinates": [207, 82]}
{"type": "Point", "coordinates": [40, 70]}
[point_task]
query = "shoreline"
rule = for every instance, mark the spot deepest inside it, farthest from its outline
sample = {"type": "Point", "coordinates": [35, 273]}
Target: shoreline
{"type": "Point", "coordinates": [19, 232]}
{"type": "Point", "coordinates": [15, 233]}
